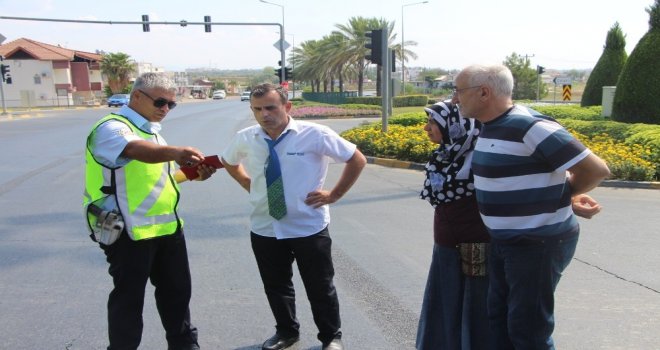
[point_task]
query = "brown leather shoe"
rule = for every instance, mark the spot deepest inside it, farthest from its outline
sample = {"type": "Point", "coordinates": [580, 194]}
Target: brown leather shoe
{"type": "Point", "coordinates": [277, 342]}
{"type": "Point", "coordinates": [335, 344]}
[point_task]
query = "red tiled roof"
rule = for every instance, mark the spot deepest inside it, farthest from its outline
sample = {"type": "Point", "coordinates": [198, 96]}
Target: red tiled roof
{"type": "Point", "coordinates": [44, 52]}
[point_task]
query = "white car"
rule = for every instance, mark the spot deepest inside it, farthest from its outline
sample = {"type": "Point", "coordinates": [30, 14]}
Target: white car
{"type": "Point", "coordinates": [245, 96]}
{"type": "Point", "coordinates": [219, 94]}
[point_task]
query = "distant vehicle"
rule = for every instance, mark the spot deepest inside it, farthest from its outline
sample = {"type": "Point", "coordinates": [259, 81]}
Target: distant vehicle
{"type": "Point", "coordinates": [245, 96]}
{"type": "Point", "coordinates": [219, 94]}
{"type": "Point", "coordinates": [198, 93]}
{"type": "Point", "coordinates": [119, 100]}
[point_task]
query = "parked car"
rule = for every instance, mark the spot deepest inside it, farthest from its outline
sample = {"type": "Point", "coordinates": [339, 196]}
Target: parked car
{"type": "Point", "coordinates": [219, 94]}
{"type": "Point", "coordinates": [245, 96]}
{"type": "Point", "coordinates": [119, 100]}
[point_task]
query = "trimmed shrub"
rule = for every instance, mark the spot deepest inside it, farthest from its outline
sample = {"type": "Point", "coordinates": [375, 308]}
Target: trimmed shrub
{"type": "Point", "coordinates": [409, 119]}
{"type": "Point", "coordinates": [571, 112]}
{"type": "Point", "coordinates": [615, 130]}
{"type": "Point", "coordinates": [638, 88]}
{"type": "Point", "coordinates": [410, 101]}
{"type": "Point", "coordinates": [398, 101]}
{"type": "Point", "coordinates": [607, 69]}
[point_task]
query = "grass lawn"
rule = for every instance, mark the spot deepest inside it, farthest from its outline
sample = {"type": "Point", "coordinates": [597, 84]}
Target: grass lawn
{"type": "Point", "coordinates": [401, 110]}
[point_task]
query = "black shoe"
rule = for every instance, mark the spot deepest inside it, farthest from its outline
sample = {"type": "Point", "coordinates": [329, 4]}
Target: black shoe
{"type": "Point", "coordinates": [278, 342]}
{"type": "Point", "coordinates": [335, 344]}
{"type": "Point", "coordinates": [194, 346]}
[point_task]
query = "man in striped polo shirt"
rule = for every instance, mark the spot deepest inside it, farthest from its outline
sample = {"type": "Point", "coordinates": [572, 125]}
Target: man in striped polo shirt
{"type": "Point", "coordinates": [531, 176]}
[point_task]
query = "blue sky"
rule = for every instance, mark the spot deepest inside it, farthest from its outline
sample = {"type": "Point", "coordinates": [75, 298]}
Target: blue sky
{"type": "Point", "coordinates": [561, 34]}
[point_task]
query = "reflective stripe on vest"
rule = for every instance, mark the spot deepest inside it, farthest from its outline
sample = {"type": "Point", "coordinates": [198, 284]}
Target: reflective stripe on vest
{"type": "Point", "coordinates": [147, 194]}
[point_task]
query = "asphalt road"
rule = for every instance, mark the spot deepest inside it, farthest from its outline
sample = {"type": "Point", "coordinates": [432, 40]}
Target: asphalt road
{"type": "Point", "coordinates": [54, 281]}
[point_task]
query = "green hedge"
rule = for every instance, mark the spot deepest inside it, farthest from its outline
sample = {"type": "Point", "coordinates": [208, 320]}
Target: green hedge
{"type": "Point", "coordinates": [398, 101]}
{"type": "Point", "coordinates": [409, 119]}
{"type": "Point", "coordinates": [571, 112]}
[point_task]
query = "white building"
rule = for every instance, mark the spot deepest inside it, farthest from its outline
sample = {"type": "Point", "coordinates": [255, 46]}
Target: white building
{"type": "Point", "coordinates": [48, 75]}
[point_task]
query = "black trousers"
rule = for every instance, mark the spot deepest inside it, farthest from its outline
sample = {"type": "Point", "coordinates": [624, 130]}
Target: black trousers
{"type": "Point", "coordinates": [163, 260]}
{"type": "Point", "coordinates": [314, 259]}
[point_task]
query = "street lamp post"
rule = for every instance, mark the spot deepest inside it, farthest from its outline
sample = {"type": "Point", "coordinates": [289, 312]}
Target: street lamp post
{"type": "Point", "coordinates": [403, 72]}
{"type": "Point", "coordinates": [282, 50]}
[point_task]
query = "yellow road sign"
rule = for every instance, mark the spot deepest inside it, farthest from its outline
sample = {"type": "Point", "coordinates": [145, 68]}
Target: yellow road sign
{"type": "Point", "coordinates": [567, 92]}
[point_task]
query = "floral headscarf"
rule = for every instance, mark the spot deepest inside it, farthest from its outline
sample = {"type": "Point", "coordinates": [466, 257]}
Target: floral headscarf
{"type": "Point", "coordinates": [449, 172]}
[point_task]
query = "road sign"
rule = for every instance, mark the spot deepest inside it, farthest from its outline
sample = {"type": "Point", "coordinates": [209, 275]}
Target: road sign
{"type": "Point", "coordinates": [567, 92]}
{"type": "Point", "coordinates": [562, 81]}
{"type": "Point", "coordinates": [277, 45]}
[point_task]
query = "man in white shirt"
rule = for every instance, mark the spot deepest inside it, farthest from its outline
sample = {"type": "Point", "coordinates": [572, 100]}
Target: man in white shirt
{"type": "Point", "coordinates": [304, 150]}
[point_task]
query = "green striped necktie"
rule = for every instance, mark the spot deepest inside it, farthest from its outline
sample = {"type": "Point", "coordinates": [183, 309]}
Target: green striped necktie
{"type": "Point", "coordinates": [274, 185]}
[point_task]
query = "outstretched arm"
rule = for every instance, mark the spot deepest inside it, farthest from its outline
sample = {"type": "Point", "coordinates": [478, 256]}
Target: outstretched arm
{"type": "Point", "coordinates": [148, 152]}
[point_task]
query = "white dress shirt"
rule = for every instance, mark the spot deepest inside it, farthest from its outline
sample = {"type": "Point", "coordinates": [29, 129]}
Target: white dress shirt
{"type": "Point", "coordinates": [304, 156]}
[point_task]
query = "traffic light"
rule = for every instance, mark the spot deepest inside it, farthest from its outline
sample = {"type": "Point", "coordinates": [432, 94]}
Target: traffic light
{"type": "Point", "coordinates": [278, 74]}
{"type": "Point", "coordinates": [145, 23]}
{"type": "Point", "coordinates": [540, 70]}
{"type": "Point", "coordinates": [5, 74]}
{"type": "Point", "coordinates": [288, 74]}
{"type": "Point", "coordinates": [376, 46]}
{"type": "Point", "coordinates": [207, 24]}
{"type": "Point", "coordinates": [393, 60]}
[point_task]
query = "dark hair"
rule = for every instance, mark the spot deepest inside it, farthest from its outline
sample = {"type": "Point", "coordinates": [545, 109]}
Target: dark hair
{"type": "Point", "coordinates": [262, 89]}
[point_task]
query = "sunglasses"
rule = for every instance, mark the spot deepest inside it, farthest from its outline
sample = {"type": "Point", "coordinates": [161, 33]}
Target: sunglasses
{"type": "Point", "coordinates": [160, 102]}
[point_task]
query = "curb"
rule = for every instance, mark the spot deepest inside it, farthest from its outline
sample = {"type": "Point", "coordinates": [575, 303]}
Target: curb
{"type": "Point", "coordinates": [402, 164]}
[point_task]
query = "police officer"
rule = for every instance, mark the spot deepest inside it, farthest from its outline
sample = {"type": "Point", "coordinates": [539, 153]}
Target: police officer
{"type": "Point", "coordinates": [130, 165]}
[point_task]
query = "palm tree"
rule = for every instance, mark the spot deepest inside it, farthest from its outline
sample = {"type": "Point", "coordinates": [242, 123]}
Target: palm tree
{"type": "Point", "coordinates": [341, 54]}
{"type": "Point", "coordinates": [306, 60]}
{"type": "Point", "coordinates": [117, 67]}
{"type": "Point", "coordinates": [407, 53]}
{"type": "Point", "coordinates": [354, 33]}
{"type": "Point", "coordinates": [335, 60]}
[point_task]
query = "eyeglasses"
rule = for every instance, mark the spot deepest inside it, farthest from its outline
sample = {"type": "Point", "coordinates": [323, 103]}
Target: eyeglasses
{"type": "Point", "coordinates": [160, 102]}
{"type": "Point", "coordinates": [457, 91]}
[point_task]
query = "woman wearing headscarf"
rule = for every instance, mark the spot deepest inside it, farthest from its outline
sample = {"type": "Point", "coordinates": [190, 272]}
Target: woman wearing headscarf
{"type": "Point", "coordinates": [454, 315]}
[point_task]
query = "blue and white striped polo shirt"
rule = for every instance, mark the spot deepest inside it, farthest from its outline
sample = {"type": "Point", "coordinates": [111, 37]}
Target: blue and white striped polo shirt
{"type": "Point", "coordinates": [519, 165]}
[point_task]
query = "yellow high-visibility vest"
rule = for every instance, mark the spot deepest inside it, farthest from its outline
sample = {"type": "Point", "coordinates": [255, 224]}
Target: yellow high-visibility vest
{"type": "Point", "coordinates": [147, 194]}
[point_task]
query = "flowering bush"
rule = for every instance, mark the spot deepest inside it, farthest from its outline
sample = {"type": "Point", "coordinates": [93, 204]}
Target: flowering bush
{"type": "Point", "coordinates": [625, 162]}
{"type": "Point", "coordinates": [331, 112]}
{"type": "Point", "coordinates": [400, 142]}
{"type": "Point", "coordinates": [410, 143]}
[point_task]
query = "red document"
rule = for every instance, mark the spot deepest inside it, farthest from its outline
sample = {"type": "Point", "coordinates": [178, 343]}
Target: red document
{"type": "Point", "coordinates": [191, 172]}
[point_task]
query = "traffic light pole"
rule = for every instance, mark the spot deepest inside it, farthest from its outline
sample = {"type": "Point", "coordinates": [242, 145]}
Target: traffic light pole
{"type": "Point", "coordinates": [386, 75]}
{"type": "Point", "coordinates": [2, 91]}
